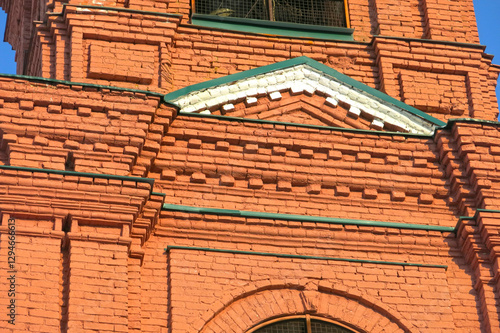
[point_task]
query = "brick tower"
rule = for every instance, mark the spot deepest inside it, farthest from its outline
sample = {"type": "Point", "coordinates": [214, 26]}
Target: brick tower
{"type": "Point", "coordinates": [248, 166]}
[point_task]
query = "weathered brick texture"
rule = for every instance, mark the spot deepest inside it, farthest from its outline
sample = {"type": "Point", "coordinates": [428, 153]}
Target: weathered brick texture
{"type": "Point", "coordinates": [344, 165]}
{"type": "Point", "coordinates": [38, 280]}
{"type": "Point", "coordinates": [98, 282]}
{"type": "Point", "coordinates": [132, 216]}
{"type": "Point", "coordinates": [151, 45]}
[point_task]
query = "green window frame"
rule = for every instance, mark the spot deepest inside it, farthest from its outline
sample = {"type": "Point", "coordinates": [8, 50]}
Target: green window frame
{"type": "Point", "coordinates": [216, 14]}
{"type": "Point", "coordinates": [331, 13]}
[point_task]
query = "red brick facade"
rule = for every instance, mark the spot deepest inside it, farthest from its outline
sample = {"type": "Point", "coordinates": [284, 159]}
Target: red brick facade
{"type": "Point", "coordinates": [132, 201]}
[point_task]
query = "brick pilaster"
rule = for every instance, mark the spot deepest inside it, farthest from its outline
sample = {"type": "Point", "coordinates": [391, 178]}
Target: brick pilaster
{"type": "Point", "coordinates": [98, 282]}
{"type": "Point", "coordinates": [33, 280]}
{"type": "Point", "coordinates": [478, 239]}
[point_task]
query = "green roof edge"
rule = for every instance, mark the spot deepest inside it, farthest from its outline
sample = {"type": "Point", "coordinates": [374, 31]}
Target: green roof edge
{"type": "Point", "coordinates": [447, 126]}
{"type": "Point", "coordinates": [81, 174]}
{"type": "Point", "coordinates": [476, 213]}
{"type": "Point", "coordinates": [302, 61]}
{"type": "Point", "coordinates": [81, 84]}
{"type": "Point", "coordinates": [118, 9]}
{"type": "Point", "coordinates": [303, 218]}
{"type": "Point", "coordinates": [487, 210]}
{"type": "Point", "coordinates": [238, 76]}
{"type": "Point", "coordinates": [451, 121]}
{"type": "Point", "coordinates": [432, 41]}
{"type": "Point", "coordinates": [297, 256]}
{"type": "Point", "coordinates": [319, 127]}
{"type": "Point", "coordinates": [234, 77]}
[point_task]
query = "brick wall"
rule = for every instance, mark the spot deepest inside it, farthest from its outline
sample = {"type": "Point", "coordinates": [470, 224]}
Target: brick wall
{"type": "Point", "coordinates": [385, 232]}
{"type": "Point", "coordinates": [159, 50]}
{"type": "Point", "coordinates": [218, 163]}
{"type": "Point", "coordinates": [98, 286]}
{"type": "Point", "coordinates": [302, 171]}
{"type": "Point", "coordinates": [37, 280]}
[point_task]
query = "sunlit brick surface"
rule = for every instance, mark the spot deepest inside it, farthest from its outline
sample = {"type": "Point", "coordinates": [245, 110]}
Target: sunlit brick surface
{"type": "Point", "coordinates": [135, 214]}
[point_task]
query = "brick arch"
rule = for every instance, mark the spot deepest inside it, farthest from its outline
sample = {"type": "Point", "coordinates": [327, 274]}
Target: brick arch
{"type": "Point", "coordinates": [255, 308]}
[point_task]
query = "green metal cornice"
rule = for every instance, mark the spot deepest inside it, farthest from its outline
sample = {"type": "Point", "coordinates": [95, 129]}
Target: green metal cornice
{"type": "Point", "coordinates": [150, 181]}
{"type": "Point", "coordinates": [453, 121]}
{"type": "Point", "coordinates": [475, 216]}
{"type": "Point", "coordinates": [432, 41]}
{"type": "Point", "coordinates": [119, 9]}
{"type": "Point", "coordinates": [303, 218]}
{"type": "Point", "coordinates": [479, 210]}
{"type": "Point", "coordinates": [295, 256]}
{"type": "Point", "coordinates": [78, 84]}
{"type": "Point", "coordinates": [318, 127]}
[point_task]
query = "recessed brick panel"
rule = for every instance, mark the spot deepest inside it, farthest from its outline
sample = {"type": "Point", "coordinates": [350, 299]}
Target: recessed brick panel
{"type": "Point", "coordinates": [121, 62]}
{"type": "Point", "coordinates": [435, 92]}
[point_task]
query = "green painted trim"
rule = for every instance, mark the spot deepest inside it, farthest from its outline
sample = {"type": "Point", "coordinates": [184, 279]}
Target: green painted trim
{"type": "Point", "coordinates": [81, 84]}
{"type": "Point", "coordinates": [235, 77]}
{"type": "Point", "coordinates": [303, 218]}
{"type": "Point", "coordinates": [433, 41]}
{"type": "Point", "coordinates": [126, 10]}
{"type": "Point", "coordinates": [150, 181]}
{"type": "Point", "coordinates": [482, 210]}
{"type": "Point", "coordinates": [159, 194]}
{"type": "Point", "coordinates": [319, 127]}
{"type": "Point", "coordinates": [296, 256]}
{"type": "Point", "coordinates": [312, 63]}
{"type": "Point", "coordinates": [273, 28]}
{"type": "Point", "coordinates": [450, 122]}
{"type": "Point", "coordinates": [487, 210]}
{"type": "Point", "coordinates": [459, 222]}
{"type": "Point", "coordinates": [476, 214]}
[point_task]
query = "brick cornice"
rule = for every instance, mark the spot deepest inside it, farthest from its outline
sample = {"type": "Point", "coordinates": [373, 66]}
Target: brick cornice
{"type": "Point", "coordinates": [97, 202]}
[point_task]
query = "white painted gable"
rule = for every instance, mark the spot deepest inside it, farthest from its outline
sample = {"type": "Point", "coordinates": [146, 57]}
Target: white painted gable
{"type": "Point", "coordinates": [303, 78]}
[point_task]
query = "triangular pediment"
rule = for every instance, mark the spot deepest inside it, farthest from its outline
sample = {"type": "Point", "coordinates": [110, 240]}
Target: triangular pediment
{"type": "Point", "coordinates": [302, 91]}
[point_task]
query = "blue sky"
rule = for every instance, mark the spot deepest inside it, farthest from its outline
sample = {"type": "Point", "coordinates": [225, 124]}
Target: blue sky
{"type": "Point", "coordinates": [488, 24]}
{"type": "Point", "coordinates": [487, 15]}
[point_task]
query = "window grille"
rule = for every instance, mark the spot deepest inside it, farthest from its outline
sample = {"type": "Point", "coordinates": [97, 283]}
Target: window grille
{"type": "Point", "coordinates": [313, 12]}
{"type": "Point", "coordinates": [288, 326]}
{"type": "Point", "coordinates": [300, 324]}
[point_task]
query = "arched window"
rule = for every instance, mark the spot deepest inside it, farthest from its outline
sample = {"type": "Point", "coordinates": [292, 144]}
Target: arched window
{"type": "Point", "coordinates": [301, 324]}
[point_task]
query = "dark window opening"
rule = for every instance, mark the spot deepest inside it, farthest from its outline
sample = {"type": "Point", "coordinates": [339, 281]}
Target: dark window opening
{"type": "Point", "coordinates": [301, 324]}
{"type": "Point", "coordinates": [313, 12]}
{"type": "Point", "coordinates": [287, 326]}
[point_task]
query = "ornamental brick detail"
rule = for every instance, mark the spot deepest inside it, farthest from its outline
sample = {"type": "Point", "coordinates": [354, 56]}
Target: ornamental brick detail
{"type": "Point", "coordinates": [122, 61]}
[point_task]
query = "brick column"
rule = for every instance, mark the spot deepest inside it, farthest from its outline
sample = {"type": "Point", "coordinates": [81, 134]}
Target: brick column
{"type": "Point", "coordinates": [450, 20]}
{"type": "Point", "coordinates": [392, 21]}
